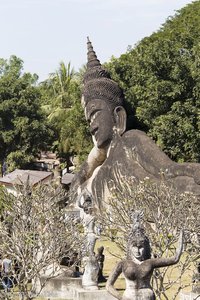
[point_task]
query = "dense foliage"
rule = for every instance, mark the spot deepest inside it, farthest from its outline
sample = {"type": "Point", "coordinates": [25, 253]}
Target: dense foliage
{"type": "Point", "coordinates": [23, 128]}
{"type": "Point", "coordinates": [161, 79]}
{"type": "Point", "coordinates": [61, 101]}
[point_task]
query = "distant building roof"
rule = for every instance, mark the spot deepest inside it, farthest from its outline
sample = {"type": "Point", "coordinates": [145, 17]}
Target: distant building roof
{"type": "Point", "coordinates": [19, 177]}
{"type": "Point", "coordinates": [67, 178]}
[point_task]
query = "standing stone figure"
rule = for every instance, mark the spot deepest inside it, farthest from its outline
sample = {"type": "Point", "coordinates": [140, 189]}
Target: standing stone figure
{"type": "Point", "coordinates": [118, 152]}
{"type": "Point", "coordinates": [91, 266]}
{"type": "Point", "coordinates": [100, 258]}
{"type": "Point", "coordinates": [138, 267]}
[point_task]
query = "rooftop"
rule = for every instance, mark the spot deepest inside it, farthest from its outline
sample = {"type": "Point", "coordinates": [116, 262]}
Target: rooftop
{"type": "Point", "coordinates": [19, 177]}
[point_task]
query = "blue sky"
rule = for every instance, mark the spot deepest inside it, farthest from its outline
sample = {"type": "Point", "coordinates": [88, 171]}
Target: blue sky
{"type": "Point", "coordinates": [45, 32]}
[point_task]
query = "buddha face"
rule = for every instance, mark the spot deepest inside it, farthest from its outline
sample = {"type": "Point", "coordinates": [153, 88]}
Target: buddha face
{"type": "Point", "coordinates": [101, 120]}
{"type": "Point", "coordinates": [138, 252]}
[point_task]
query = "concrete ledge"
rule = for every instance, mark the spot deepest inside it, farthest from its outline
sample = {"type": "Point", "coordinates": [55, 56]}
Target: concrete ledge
{"type": "Point", "coordinates": [68, 288]}
{"type": "Point", "coordinates": [81, 294]}
{"type": "Point", "coordinates": [60, 287]}
{"type": "Point", "coordinates": [189, 296]}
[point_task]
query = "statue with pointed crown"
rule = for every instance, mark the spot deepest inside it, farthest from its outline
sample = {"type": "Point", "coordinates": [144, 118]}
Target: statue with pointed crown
{"type": "Point", "coordinates": [89, 261]}
{"type": "Point", "coordinates": [138, 266]}
{"type": "Point", "coordinates": [118, 152]}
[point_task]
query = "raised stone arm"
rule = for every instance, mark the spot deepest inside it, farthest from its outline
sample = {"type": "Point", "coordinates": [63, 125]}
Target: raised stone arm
{"type": "Point", "coordinates": [180, 247]}
{"type": "Point", "coordinates": [95, 158]}
{"type": "Point", "coordinates": [163, 262]}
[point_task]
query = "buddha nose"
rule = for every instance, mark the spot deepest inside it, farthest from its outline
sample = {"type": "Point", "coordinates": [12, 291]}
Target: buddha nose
{"type": "Point", "coordinates": [137, 252]}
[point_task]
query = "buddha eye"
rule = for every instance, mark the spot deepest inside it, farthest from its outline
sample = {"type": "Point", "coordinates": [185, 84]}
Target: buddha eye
{"type": "Point", "coordinates": [93, 113]}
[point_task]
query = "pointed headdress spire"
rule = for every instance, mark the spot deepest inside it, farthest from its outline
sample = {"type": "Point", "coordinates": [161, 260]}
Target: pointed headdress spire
{"type": "Point", "coordinates": [137, 236]}
{"type": "Point", "coordinates": [94, 68]}
{"type": "Point", "coordinates": [97, 82]}
{"type": "Point", "coordinates": [91, 56]}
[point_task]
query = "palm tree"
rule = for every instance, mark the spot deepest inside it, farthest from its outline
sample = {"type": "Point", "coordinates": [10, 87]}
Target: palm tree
{"type": "Point", "coordinates": [60, 90]}
{"type": "Point", "coordinates": [61, 81]}
{"type": "Point", "coordinates": [61, 95]}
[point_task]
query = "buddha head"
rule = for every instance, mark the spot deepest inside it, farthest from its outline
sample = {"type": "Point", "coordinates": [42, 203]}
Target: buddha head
{"type": "Point", "coordinates": [87, 205]}
{"type": "Point", "coordinates": [103, 102]}
{"type": "Point", "coordinates": [85, 201]}
{"type": "Point", "coordinates": [138, 243]}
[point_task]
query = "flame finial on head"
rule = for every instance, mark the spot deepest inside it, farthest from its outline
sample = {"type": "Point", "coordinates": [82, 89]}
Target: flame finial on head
{"type": "Point", "coordinates": [97, 82]}
{"type": "Point", "coordinates": [137, 236]}
{"type": "Point", "coordinates": [91, 56]}
{"type": "Point", "coordinates": [137, 232]}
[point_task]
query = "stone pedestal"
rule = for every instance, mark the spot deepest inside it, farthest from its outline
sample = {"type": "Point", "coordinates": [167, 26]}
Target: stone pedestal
{"type": "Point", "coordinates": [90, 275]}
{"type": "Point", "coordinates": [189, 296]}
{"type": "Point", "coordinates": [81, 294]}
{"type": "Point", "coordinates": [60, 287]}
{"type": "Point", "coordinates": [67, 288]}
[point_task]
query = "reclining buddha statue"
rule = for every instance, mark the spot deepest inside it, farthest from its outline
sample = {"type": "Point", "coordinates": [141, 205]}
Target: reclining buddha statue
{"type": "Point", "coordinates": [118, 152]}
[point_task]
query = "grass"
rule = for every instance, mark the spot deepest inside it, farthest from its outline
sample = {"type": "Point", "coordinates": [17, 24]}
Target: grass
{"type": "Point", "coordinates": [111, 260]}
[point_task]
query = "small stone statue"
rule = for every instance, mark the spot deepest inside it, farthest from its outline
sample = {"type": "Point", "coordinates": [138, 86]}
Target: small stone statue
{"type": "Point", "coordinates": [138, 267]}
{"type": "Point", "coordinates": [100, 258]}
{"type": "Point", "coordinates": [91, 266]}
{"type": "Point", "coordinates": [89, 225]}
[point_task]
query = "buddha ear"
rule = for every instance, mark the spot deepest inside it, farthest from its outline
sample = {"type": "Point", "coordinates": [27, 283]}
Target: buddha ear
{"type": "Point", "coordinates": [120, 119]}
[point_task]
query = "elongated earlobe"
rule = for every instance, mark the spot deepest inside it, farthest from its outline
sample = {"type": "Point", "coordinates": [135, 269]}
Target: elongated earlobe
{"type": "Point", "coordinates": [120, 119]}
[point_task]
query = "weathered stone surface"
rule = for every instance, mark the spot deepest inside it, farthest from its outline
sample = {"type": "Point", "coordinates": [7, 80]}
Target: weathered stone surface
{"type": "Point", "coordinates": [138, 267]}
{"type": "Point", "coordinates": [70, 289]}
{"type": "Point", "coordinates": [119, 153]}
{"type": "Point", "coordinates": [89, 261]}
{"type": "Point", "coordinates": [60, 287]}
{"type": "Point", "coordinates": [81, 294]}
{"type": "Point", "coordinates": [189, 296]}
{"type": "Point", "coordinates": [90, 275]}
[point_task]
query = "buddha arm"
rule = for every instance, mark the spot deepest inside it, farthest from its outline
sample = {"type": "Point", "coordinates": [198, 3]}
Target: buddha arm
{"type": "Point", "coordinates": [95, 158]}
{"type": "Point", "coordinates": [163, 262]}
{"type": "Point", "coordinates": [111, 280]}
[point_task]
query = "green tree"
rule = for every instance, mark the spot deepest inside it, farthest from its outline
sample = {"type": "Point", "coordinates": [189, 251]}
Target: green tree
{"type": "Point", "coordinates": [23, 128]}
{"type": "Point", "coordinates": [160, 78]}
{"type": "Point", "coordinates": [63, 108]}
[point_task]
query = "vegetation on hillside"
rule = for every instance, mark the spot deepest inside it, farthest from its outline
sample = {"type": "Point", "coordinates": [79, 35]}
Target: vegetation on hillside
{"type": "Point", "coordinates": [24, 131]}
{"type": "Point", "coordinates": [161, 80]}
{"type": "Point", "coordinates": [160, 77]}
{"type": "Point", "coordinates": [61, 102]}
